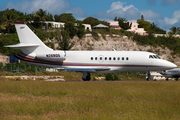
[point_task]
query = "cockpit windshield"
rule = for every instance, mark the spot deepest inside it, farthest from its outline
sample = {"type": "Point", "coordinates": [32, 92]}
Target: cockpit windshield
{"type": "Point", "coordinates": [154, 57]}
{"type": "Point", "coordinates": [158, 57]}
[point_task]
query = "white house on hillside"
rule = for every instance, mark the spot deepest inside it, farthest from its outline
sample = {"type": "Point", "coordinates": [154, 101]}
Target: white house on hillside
{"type": "Point", "coordinates": [134, 25]}
{"type": "Point", "coordinates": [54, 24]}
{"type": "Point", "coordinates": [60, 24]}
{"type": "Point", "coordinates": [88, 27]}
{"type": "Point", "coordinates": [135, 29]}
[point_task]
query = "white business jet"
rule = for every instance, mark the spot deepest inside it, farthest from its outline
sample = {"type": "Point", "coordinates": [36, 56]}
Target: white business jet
{"type": "Point", "coordinates": [34, 51]}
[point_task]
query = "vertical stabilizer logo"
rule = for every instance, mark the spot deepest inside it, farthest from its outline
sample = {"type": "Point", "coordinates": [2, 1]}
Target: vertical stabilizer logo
{"type": "Point", "coordinates": [22, 27]}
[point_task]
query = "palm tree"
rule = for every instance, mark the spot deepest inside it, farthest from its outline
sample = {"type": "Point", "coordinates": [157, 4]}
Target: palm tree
{"type": "Point", "coordinates": [8, 21]}
{"type": "Point", "coordinates": [40, 15]}
{"type": "Point", "coordinates": [64, 41]}
{"type": "Point", "coordinates": [175, 30]}
{"type": "Point", "coordinates": [9, 18]}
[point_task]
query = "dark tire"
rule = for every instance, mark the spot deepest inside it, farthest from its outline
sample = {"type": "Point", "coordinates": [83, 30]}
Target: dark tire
{"type": "Point", "coordinates": [85, 79]}
{"type": "Point", "coordinates": [88, 78]}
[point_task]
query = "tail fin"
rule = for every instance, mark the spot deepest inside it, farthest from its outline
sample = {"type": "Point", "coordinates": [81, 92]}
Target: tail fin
{"type": "Point", "coordinates": [29, 42]}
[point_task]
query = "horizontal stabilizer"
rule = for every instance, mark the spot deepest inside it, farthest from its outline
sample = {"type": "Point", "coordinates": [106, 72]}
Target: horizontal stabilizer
{"type": "Point", "coordinates": [22, 45]}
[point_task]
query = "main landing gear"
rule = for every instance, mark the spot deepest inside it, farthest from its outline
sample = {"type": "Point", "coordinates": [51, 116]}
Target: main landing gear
{"type": "Point", "coordinates": [86, 76]}
{"type": "Point", "coordinates": [148, 76]}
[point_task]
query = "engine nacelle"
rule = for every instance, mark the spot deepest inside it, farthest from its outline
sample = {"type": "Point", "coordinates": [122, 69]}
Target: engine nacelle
{"type": "Point", "coordinates": [57, 56]}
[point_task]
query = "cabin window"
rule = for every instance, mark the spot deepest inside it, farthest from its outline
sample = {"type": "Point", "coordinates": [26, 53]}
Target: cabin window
{"type": "Point", "coordinates": [118, 58]}
{"type": "Point", "coordinates": [122, 58]}
{"type": "Point", "coordinates": [100, 58]}
{"type": "Point", "coordinates": [114, 58]}
{"type": "Point", "coordinates": [109, 58]}
{"type": "Point", "coordinates": [127, 58]}
{"type": "Point", "coordinates": [105, 58]}
{"type": "Point", "coordinates": [95, 58]}
{"type": "Point", "coordinates": [91, 58]}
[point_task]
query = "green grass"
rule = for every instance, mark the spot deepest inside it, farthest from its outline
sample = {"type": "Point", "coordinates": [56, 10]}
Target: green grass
{"type": "Point", "coordinates": [89, 100]}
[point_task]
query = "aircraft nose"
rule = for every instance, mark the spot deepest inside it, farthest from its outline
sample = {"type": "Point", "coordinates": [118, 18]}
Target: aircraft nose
{"type": "Point", "coordinates": [171, 65]}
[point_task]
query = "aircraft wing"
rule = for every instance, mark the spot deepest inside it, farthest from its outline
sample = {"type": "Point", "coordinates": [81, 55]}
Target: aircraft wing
{"type": "Point", "coordinates": [86, 69]}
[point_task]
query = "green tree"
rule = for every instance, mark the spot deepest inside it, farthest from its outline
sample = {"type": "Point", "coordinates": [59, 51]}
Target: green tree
{"type": "Point", "coordinates": [56, 18]}
{"type": "Point", "coordinates": [174, 30]}
{"type": "Point", "coordinates": [70, 28]}
{"type": "Point", "coordinates": [144, 24]}
{"type": "Point", "coordinates": [123, 23]}
{"type": "Point", "coordinates": [150, 27]}
{"type": "Point", "coordinates": [116, 19]}
{"type": "Point", "coordinates": [93, 21]}
{"type": "Point", "coordinates": [28, 17]}
{"type": "Point", "coordinates": [64, 42]}
{"type": "Point", "coordinates": [109, 77]}
{"type": "Point", "coordinates": [142, 17]}
{"type": "Point", "coordinates": [81, 29]}
{"type": "Point", "coordinates": [40, 15]}
{"type": "Point", "coordinates": [156, 29]}
{"type": "Point", "coordinates": [49, 17]}
{"type": "Point", "coordinates": [65, 17]}
{"type": "Point", "coordinates": [8, 19]}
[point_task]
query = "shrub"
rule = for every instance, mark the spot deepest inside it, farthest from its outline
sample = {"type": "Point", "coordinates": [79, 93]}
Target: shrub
{"type": "Point", "coordinates": [109, 77]}
{"type": "Point", "coordinates": [115, 77]}
{"type": "Point", "coordinates": [95, 35]}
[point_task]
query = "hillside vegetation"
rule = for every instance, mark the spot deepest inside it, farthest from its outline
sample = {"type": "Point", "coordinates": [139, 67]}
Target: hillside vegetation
{"type": "Point", "coordinates": [74, 28]}
{"type": "Point", "coordinates": [173, 43]}
{"type": "Point", "coordinates": [8, 39]}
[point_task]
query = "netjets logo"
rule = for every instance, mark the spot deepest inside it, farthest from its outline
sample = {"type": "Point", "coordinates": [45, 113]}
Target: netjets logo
{"type": "Point", "coordinates": [52, 55]}
{"type": "Point", "coordinates": [22, 27]}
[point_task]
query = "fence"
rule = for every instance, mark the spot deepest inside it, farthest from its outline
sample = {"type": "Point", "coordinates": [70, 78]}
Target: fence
{"type": "Point", "coordinates": [16, 68]}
